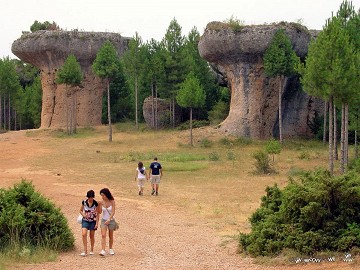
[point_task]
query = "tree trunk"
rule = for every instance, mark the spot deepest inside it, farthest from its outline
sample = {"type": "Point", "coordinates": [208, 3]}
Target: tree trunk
{"type": "Point", "coordinates": [191, 135]}
{"type": "Point", "coordinates": [1, 113]}
{"type": "Point", "coordinates": [342, 140]}
{"type": "Point", "coordinates": [156, 110]}
{"type": "Point", "coordinates": [173, 114]}
{"type": "Point", "coordinates": [331, 156]}
{"type": "Point", "coordinates": [15, 123]}
{"type": "Point", "coordinates": [9, 114]}
{"type": "Point", "coordinates": [280, 106]}
{"type": "Point", "coordinates": [152, 105]}
{"type": "Point", "coordinates": [325, 120]}
{"type": "Point", "coordinates": [108, 107]}
{"type": "Point", "coordinates": [356, 129]}
{"type": "Point", "coordinates": [75, 110]}
{"type": "Point", "coordinates": [336, 154]}
{"type": "Point", "coordinates": [4, 113]}
{"type": "Point", "coordinates": [346, 135]}
{"type": "Point", "coordinates": [136, 103]}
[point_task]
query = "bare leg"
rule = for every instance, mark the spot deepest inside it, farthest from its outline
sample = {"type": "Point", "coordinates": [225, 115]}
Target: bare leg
{"type": "Point", "coordinates": [103, 237]}
{"type": "Point", "coordinates": [111, 239]}
{"type": "Point", "coordinates": [84, 238]}
{"type": "Point", "coordinates": [92, 240]}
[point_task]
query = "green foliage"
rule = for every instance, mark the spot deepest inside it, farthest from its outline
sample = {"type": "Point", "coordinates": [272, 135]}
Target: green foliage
{"type": "Point", "coordinates": [331, 64]}
{"type": "Point", "coordinates": [29, 219]}
{"type": "Point", "coordinates": [36, 26]}
{"type": "Point", "coordinates": [206, 143]}
{"type": "Point", "coordinates": [214, 156]}
{"type": "Point", "coordinates": [70, 73]}
{"type": "Point", "coordinates": [354, 165]}
{"type": "Point", "coordinates": [234, 23]}
{"type": "Point", "coordinates": [273, 147]}
{"type": "Point", "coordinates": [262, 162]}
{"type": "Point", "coordinates": [218, 112]}
{"type": "Point", "coordinates": [191, 94]}
{"type": "Point", "coordinates": [317, 213]}
{"type": "Point", "coordinates": [106, 64]}
{"type": "Point", "coordinates": [195, 124]}
{"type": "Point", "coordinates": [279, 58]}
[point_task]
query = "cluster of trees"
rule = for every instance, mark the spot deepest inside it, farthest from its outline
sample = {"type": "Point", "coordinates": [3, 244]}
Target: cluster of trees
{"type": "Point", "coordinates": [331, 71]}
{"type": "Point", "coordinates": [157, 69]}
{"type": "Point", "coordinates": [20, 95]}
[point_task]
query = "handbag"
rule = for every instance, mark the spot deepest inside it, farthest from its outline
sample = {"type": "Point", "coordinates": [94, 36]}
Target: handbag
{"type": "Point", "coordinates": [116, 223]}
{"type": "Point", "coordinates": [79, 219]}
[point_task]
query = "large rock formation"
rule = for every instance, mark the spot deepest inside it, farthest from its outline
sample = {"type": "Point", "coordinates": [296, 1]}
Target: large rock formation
{"type": "Point", "coordinates": [238, 57]}
{"type": "Point", "coordinates": [48, 51]}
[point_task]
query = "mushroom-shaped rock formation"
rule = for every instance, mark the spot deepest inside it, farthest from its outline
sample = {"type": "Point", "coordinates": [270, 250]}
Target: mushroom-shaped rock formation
{"type": "Point", "coordinates": [48, 50]}
{"type": "Point", "coordinates": [238, 57]}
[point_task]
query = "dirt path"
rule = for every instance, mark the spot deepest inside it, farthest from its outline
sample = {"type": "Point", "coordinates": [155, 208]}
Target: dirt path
{"type": "Point", "coordinates": [153, 234]}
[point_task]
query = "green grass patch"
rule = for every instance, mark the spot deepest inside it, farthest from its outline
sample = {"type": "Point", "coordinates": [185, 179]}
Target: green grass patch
{"type": "Point", "coordinates": [185, 167]}
{"type": "Point", "coordinates": [26, 255]}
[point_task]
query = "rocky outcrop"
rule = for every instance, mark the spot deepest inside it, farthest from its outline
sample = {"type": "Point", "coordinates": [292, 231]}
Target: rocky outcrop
{"type": "Point", "coordinates": [48, 50]}
{"type": "Point", "coordinates": [238, 57]}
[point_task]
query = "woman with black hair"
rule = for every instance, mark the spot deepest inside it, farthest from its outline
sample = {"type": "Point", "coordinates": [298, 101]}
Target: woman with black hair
{"type": "Point", "coordinates": [107, 208]}
{"type": "Point", "coordinates": [89, 210]}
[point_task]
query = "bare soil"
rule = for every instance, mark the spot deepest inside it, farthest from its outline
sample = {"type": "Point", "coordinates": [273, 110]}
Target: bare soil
{"type": "Point", "coordinates": [153, 234]}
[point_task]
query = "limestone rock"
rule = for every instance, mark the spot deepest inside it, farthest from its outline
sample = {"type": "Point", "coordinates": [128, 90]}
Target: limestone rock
{"type": "Point", "coordinates": [238, 57]}
{"type": "Point", "coordinates": [48, 50]}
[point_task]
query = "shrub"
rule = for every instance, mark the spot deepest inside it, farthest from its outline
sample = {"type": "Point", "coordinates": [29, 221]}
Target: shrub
{"type": "Point", "coordinates": [262, 163]}
{"type": "Point", "coordinates": [195, 124]}
{"type": "Point", "coordinates": [29, 219]}
{"type": "Point", "coordinates": [218, 113]}
{"type": "Point", "coordinates": [206, 143]}
{"type": "Point", "coordinates": [273, 147]}
{"type": "Point", "coordinates": [317, 213]}
{"type": "Point", "coordinates": [213, 156]}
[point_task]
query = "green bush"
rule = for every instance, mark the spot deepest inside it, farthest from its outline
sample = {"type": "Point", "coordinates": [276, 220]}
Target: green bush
{"type": "Point", "coordinates": [29, 219]}
{"type": "Point", "coordinates": [273, 147]}
{"type": "Point", "coordinates": [195, 124]}
{"type": "Point", "coordinates": [317, 213]}
{"type": "Point", "coordinates": [213, 156]}
{"type": "Point", "coordinates": [355, 165]}
{"type": "Point", "coordinates": [206, 143]}
{"type": "Point", "coordinates": [218, 113]}
{"type": "Point", "coordinates": [262, 163]}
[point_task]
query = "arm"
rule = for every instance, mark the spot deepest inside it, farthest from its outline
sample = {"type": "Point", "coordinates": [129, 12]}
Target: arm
{"type": "Point", "coordinates": [113, 212]}
{"type": "Point", "coordinates": [97, 215]}
{"type": "Point", "coordinates": [82, 210]}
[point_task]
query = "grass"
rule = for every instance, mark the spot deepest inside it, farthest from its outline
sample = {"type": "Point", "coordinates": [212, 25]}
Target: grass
{"type": "Point", "coordinates": [14, 255]}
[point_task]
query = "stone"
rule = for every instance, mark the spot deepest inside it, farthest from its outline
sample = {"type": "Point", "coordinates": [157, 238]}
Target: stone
{"type": "Point", "coordinates": [48, 50]}
{"type": "Point", "coordinates": [237, 57]}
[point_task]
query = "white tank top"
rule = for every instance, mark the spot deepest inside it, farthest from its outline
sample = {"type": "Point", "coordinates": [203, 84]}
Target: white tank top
{"type": "Point", "coordinates": [106, 212]}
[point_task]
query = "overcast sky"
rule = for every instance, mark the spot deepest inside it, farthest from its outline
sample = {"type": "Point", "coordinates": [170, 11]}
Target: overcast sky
{"type": "Point", "coordinates": [151, 18]}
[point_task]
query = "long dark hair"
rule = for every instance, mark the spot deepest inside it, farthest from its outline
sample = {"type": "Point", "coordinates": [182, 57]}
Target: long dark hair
{"type": "Point", "coordinates": [140, 165]}
{"type": "Point", "coordinates": [107, 193]}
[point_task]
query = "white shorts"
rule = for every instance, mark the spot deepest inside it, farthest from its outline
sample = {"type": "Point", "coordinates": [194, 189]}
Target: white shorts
{"type": "Point", "coordinates": [141, 182]}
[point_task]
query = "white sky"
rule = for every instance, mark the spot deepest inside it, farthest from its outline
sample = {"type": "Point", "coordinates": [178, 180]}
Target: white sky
{"type": "Point", "coordinates": [151, 18]}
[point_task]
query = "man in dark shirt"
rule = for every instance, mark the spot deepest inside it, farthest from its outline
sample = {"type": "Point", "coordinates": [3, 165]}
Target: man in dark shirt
{"type": "Point", "coordinates": [155, 175]}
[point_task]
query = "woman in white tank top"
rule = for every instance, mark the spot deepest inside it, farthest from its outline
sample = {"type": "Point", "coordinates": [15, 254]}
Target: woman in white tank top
{"type": "Point", "coordinates": [107, 208]}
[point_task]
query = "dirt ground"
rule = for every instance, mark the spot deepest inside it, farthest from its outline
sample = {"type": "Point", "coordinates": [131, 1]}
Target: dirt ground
{"type": "Point", "coordinates": [153, 233]}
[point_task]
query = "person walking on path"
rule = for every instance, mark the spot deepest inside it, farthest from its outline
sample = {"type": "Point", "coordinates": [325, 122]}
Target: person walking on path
{"type": "Point", "coordinates": [89, 210]}
{"type": "Point", "coordinates": [141, 176]}
{"type": "Point", "coordinates": [155, 175]}
{"type": "Point", "coordinates": [107, 208]}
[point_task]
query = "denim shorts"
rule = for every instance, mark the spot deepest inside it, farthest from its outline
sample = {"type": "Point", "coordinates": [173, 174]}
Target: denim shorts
{"type": "Point", "coordinates": [88, 225]}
